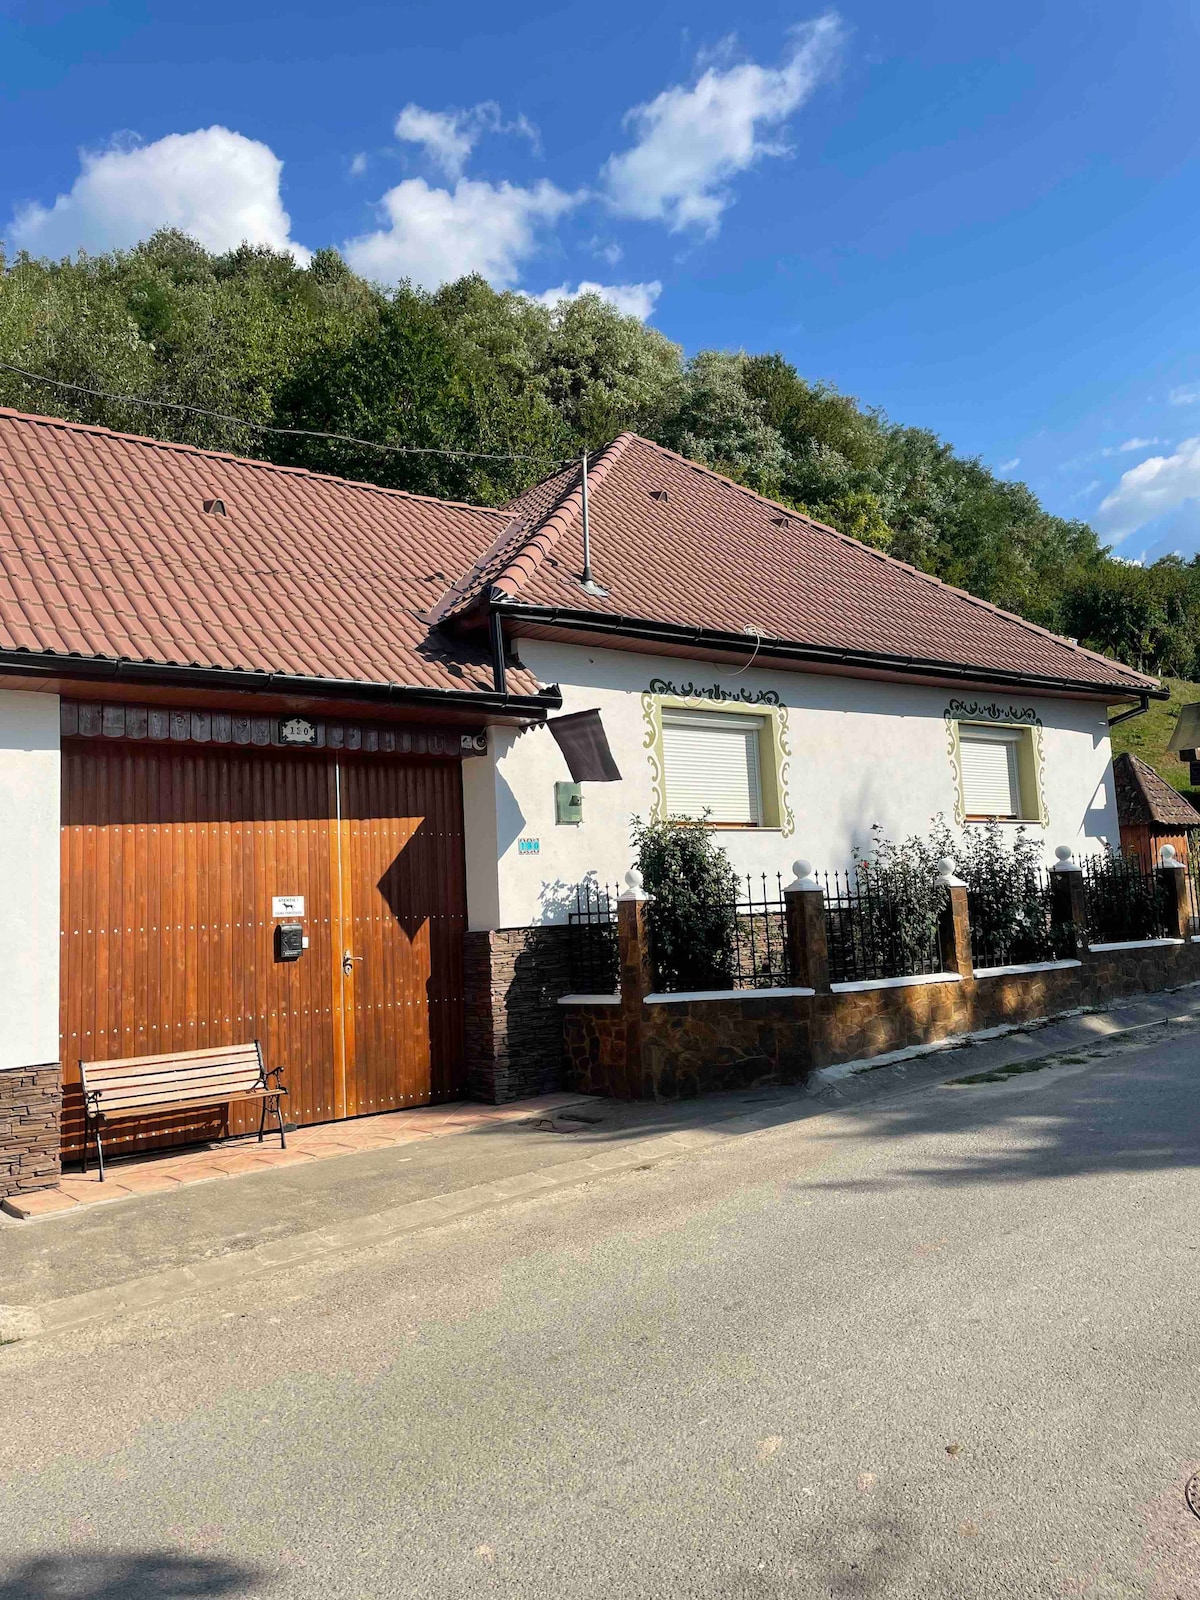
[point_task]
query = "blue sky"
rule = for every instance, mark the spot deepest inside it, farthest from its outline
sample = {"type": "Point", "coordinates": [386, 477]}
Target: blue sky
{"type": "Point", "coordinates": [981, 218]}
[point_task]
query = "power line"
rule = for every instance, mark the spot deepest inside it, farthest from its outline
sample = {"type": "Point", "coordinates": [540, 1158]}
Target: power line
{"type": "Point", "coordinates": [265, 427]}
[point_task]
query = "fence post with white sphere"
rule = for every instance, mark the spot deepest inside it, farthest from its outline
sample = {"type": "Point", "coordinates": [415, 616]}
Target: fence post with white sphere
{"type": "Point", "coordinates": [635, 976]}
{"type": "Point", "coordinates": [1173, 876]}
{"type": "Point", "coordinates": [954, 924]}
{"type": "Point", "coordinates": [808, 944]}
{"type": "Point", "coordinates": [1070, 897]}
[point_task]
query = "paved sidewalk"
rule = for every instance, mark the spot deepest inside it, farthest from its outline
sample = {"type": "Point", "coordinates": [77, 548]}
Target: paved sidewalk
{"type": "Point", "coordinates": [93, 1262]}
{"type": "Point", "coordinates": [161, 1171]}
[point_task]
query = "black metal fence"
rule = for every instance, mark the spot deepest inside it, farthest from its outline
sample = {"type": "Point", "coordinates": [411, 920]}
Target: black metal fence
{"type": "Point", "coordinates": [879, 926]}
{"type": "Point", "coordinates": [592, 939]}
{"type": "Point", "coordinates": [1020, 916]}
{"type": "Point", "coordinates": [1193, 871]}
{"type": "Point", "coordinates": [761, 958]}
{"type": "Point", "coordinates": [738, 942]}
{"type": "Point", "coordinates": [1125, 899]}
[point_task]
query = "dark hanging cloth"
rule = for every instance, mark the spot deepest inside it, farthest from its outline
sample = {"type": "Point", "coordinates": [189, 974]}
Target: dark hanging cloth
{"type": "Point", "coordinates": [582, 740]}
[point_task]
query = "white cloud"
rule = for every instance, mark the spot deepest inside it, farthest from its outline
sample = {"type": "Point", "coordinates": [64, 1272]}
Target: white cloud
{"type": "Point", "coordinates": [691, 142]}
{"type": "Point", "coordinates": [358, 165]}
{"type": "Point", "coordinates": [214, 184]}
{"type": "Point", "coordinates": [1185, 395]}
{"type": "Point", "coordinates": [630, 299]}
{"type": "Point", "coordinates": [448, 137]}
{"type": "Point", "coordinates": [1010, 466]}
{"type": "Point", "coordinates": [435, 235]}
{"type": "Point", "coordinates": [1151, 489]}
{"type": "Point", "coordinates": [1137, 444]}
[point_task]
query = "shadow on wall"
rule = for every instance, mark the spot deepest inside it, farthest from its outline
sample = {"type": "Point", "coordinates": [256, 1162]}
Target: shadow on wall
{"type": "Point", "coordinates": [132, 1575]}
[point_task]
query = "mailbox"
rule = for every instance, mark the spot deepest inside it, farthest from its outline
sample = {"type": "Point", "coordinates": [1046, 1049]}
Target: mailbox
{"type": "Point", "coordinates": [289, 941]}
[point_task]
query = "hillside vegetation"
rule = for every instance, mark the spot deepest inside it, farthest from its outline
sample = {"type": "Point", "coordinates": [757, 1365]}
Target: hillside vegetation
{"type": "Point", "coordinates": [1147, 736]}
{"type": "Point", "coordinates": [252, 335]}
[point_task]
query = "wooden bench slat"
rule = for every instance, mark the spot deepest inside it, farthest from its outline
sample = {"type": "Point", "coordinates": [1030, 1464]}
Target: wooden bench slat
{"type": "Point", "coordinates": [182, 1093]}
{"type": "Point", "coordinates": [132, 1083]}
{"type": "Point", "coordinates": [114, 1113]}
{"type": "Point", "coordinates": [167, 1057]}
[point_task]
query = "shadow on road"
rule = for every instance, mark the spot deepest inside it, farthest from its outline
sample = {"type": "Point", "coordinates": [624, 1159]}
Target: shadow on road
{"type": "Point", "coordinates": [1139, 1112]}
{"type": "Point", "coordinates": [131, 1575]}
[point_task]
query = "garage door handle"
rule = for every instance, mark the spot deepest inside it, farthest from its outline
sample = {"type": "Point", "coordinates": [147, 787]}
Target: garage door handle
{"type": "Point", "coordinates": [348, 961]}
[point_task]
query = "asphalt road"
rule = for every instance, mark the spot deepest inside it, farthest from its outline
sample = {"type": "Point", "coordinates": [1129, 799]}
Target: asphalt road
{"type": "Point", "coordinates": [946, 1345]}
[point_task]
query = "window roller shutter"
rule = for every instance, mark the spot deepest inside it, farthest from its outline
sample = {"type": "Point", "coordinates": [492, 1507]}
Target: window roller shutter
{"type": "Point", "coordinates": [711, 765]}
{"type": "Point", "coordinates": [991, 783]}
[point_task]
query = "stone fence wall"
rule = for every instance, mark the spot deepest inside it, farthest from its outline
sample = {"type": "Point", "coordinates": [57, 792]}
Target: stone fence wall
{"type": "Point", "coordinates": [30, 1102]}
{"type": "Point", "coordinates": [643, 1045]}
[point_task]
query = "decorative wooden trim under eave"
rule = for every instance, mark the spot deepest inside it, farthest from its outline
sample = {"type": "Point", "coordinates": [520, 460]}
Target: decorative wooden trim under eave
{"type": "Point", "coordinates": [90, 719]}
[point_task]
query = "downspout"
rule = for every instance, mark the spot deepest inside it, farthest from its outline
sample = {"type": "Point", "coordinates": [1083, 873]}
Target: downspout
{"type": "Point", "coordinates": [496, 637]}
{"type": "Point", "coordinates": [1139, 710]}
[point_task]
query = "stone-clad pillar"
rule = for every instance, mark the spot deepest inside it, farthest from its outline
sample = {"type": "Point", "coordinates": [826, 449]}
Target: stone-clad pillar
{"type": "Point", "coordinates": [1070, 900]}
{"type": "Point", "coordinates": [808, 946]}
{"type": "Point", "coordinates": [954, 926]}
{"type": "Point", "coordinates": [1173, 876]}
{"type": "Point", "coordinates": [633, 950]}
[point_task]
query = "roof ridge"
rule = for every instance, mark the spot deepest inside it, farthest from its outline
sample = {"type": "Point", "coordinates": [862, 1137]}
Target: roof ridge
{"type": "Point", "coordinates": [526, 560]}
{"type": "Point", "coordinates": [8, 412]}
{"type": "Point", "coordinates": [882, 555]}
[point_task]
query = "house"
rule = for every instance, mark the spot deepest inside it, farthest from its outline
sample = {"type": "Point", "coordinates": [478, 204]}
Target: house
{"type": "Point", "coordinates": [235, 695]}
{"type": "Point", "coordinates": [1151, 813]}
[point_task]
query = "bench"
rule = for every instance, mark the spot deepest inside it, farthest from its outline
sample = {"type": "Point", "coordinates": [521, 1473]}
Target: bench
{"type": "Point", "coordinates": [189, 1080]}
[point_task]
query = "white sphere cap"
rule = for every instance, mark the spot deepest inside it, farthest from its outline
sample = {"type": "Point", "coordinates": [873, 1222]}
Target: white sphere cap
{"type": "Point", "coordinates": [1063, 852]}
{"type": "Point", "coordinates": [1167, 855]}
{"type": "Point", "coordinates": [633, 879]}
{"type": "Point", "coordinates": [802, 868]}
{"type": "Point", "coordinates": [946, 866]}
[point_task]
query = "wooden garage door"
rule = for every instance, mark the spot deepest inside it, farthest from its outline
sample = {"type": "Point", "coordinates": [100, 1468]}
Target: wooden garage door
{"type": "Point", "coordinates": [170, 860]}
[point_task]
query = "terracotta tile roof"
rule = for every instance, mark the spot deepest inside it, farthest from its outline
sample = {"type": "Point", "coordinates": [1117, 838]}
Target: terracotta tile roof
{"type": "Point", "coordinates": [673, 542]}
{"type": "Point", "coordinates": [1143, 795]}
{"type": "Point", "coordinates": [106, 550]}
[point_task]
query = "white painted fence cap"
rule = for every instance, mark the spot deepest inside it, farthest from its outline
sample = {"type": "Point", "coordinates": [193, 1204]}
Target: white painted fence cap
{"type": "Point", "coordinates": [636, 887]}
{"type": "Point", "coordinates": [804, 876]}
{"type": "Point", "coordinates": [946, 874]}
{"type": "Point", "coordinates": [1065, 859]}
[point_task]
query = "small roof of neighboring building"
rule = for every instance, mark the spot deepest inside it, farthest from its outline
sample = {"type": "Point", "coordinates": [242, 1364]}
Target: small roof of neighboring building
{"type": "Point", "coordinates": [1143, 796]}
{"type": "Point", "coordinates": [674, 542]}
{"type": "Point", "coordinates": [107, 550]}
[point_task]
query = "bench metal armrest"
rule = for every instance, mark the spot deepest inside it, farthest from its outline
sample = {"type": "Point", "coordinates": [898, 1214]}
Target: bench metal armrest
{"type": "Point", "coordinates": [278, 1087]}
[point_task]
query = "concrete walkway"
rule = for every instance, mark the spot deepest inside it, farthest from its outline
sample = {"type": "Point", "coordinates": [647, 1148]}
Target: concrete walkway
{"type": "Point", "coordinates": [162, 1171]}
{"type": "Point", "coordinates": [93, 1262]}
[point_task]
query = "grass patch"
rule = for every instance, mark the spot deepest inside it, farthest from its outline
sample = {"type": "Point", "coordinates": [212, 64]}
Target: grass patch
{"type": "Point", "coordinates": [1017, 1068]}
{"type": "Point", "coordinates": [1147, 736]}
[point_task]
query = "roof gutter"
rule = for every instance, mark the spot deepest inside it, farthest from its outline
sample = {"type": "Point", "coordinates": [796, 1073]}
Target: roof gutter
{"type": "Point", "coordinates": [651, 633]}
{"type": "Point", "coordinates": [1139, 710]}
{"type": "Point", "coordinates": [107, 669]}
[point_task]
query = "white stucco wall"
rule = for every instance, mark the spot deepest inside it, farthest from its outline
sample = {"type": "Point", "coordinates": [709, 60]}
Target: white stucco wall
{"type": "Point", "coordinates": [863, 752]}
{"type": "Point", "coordinates": [29, 872]}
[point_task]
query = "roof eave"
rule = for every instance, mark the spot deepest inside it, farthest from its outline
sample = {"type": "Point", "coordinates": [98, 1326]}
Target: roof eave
{"type": "Point", "coordinates": [107, 669]}
{"type": "Point", "coordinates": [601, 624]}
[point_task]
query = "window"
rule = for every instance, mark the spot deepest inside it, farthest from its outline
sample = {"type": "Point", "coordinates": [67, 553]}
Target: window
{"type": "Point", "coordinates": [711, 764]}
{"type": "Point", "coordinates": [992, 777]}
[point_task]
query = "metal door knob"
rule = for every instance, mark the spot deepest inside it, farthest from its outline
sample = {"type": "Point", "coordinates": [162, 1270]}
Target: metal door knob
{"type": "Point", "coordinates": [348, 961]}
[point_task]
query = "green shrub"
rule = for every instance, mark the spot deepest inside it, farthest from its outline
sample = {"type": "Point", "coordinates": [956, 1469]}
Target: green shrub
{"type": "Point", "coordinates": [693, 916]}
